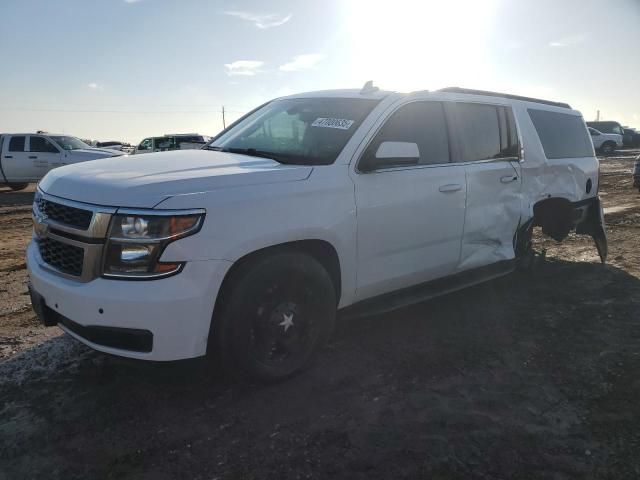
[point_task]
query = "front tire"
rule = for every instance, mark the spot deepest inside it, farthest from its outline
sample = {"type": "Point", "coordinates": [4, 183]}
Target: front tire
{"type": "Point", "coordinates": [18, 186]}
{"type": "Point", "coordinates": [608, 148]}
{"type": "Point", "coordinates": [274, 317]}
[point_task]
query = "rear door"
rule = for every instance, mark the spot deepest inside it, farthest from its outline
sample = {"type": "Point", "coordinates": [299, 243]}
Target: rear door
{"type": "Point", "coordinates": [16, 164]}
{"type": "Point", "coordinates": [486, 144]}
{"type": "Point", "coordinates": [44, 153]}
{"type": "Point", "coordinates": [409, 216]}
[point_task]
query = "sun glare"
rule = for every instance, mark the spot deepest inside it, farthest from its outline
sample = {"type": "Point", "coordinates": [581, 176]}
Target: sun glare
{"type": "Point", "coordinates": [407, 45]}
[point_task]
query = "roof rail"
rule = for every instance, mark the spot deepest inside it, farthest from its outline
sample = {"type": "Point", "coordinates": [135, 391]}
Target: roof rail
{"type": "Point", "coordinates": [503, 95]}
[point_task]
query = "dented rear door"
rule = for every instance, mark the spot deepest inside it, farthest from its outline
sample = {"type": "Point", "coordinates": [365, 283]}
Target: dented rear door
{"type": "Point", "coordinates": [486, 143]}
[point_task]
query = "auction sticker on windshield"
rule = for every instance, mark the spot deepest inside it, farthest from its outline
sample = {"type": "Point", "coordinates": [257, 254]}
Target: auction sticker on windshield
{"type": "Point", "coordinates": [340, 123]}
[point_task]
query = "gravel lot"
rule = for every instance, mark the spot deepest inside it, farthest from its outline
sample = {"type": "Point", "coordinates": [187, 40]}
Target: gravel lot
{"type": "Point", "coordinates": [531, 376]}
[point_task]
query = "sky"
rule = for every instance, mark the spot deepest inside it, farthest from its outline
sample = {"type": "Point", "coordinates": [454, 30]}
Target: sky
{"type": "Point", "coordinates": [129, 69]}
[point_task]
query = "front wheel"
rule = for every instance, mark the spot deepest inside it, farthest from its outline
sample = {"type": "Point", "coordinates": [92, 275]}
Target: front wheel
{"type": "Point", "coordinates": [18, 186]}
{"type": "Point", "coordinates": [608, 148]}
{"type": "Point", "coordinates": [274, 317]}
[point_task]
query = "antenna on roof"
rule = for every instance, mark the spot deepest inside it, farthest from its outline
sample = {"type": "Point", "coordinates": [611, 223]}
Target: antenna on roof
{"type": "Point", "coordinates": [368, 88]}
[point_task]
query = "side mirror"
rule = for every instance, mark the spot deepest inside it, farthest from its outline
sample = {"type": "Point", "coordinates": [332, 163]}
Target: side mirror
{"type": "Point", "coordinates": [392, 154]}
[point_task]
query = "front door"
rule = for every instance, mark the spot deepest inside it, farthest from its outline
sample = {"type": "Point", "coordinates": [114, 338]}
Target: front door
{"type": "Point", "coordinates": [488, 147]}
{"type": "Point", "coordinates": [409, 217]}
{"type": "Point", "coordinates": [43, 153]}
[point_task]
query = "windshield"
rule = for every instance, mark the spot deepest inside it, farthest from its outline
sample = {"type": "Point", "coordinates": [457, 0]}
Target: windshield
{"type": "Point", "coordinates": [70, 143]}
{"type": "Point", "coordinates": [309, 131]}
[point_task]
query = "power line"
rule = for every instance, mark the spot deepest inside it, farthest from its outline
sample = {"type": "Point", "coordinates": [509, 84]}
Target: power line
{"type": "Point", "coordinates": [150, 112]}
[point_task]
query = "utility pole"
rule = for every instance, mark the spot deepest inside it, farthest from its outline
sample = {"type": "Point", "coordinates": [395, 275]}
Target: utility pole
{"type": "Point", "coordinates": [598, 116]}
{"type": "Point", "coordinates": [224, 124]}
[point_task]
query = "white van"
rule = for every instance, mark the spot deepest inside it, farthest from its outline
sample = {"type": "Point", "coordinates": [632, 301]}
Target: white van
{"type": "Point", "coordinates": [358, 199]}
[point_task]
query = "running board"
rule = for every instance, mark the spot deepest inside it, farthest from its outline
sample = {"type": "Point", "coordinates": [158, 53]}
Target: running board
{"type": "Point", "coordinates": [428, 290]}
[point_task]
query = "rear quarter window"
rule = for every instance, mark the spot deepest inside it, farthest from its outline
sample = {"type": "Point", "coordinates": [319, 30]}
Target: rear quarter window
{"type": "Point", "coordinates": [562, 135]}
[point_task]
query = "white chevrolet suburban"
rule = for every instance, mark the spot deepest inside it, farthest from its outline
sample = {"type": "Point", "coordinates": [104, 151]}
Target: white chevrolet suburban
{"type": "Point", "coordinates": [311, 203]}
{"type": "Point", "coordinates": [27, 157]}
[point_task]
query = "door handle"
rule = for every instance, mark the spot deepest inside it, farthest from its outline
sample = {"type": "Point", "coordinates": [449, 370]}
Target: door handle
{"type": "Point", "coordinates": [451, 187]}
{"type": "Point", "coordinates": [8, 156]}
{"type": "Point", "coordinates": [33, 157]}
{"type": "Point", "coordinates": [508, 178]}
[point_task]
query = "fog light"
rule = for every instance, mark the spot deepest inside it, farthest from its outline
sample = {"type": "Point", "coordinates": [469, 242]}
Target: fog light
{"type": "Point", "coordinates": [135, 254]}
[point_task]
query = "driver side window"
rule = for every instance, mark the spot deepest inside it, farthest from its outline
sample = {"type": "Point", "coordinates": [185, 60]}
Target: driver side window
{"type": "Point", "coordinates": [41, 145]}
{"type": "Point", "coordinates": [419, 123]}
{"type": "Point", "coordinates": [145, 144]}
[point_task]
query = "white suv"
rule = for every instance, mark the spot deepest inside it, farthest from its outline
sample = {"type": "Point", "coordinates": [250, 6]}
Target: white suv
{"type": "Point", "coordinates": [311, 203]}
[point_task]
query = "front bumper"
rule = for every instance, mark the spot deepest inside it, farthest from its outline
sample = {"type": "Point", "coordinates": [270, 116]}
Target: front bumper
{"type": "Point", "coordinates": [176, 311]}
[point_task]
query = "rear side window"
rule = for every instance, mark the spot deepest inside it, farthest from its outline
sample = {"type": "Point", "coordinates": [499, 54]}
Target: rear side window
{"type": "Point", "coordinates": [422, 123]}
{"type": "Point", "coordinates": [164, 143]}
{"type": "Point", "coordinates": [16, 144]}
{"type": "Point", "coordinates": [42, 145]}
{"type": "Point", "coordinates": [562, 135]}
{"type": "Point", "coordinates": [484, 132]}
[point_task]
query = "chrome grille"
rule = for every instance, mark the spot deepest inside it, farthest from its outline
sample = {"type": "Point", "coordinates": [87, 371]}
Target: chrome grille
{"type": "Point", "coordinates": [70, 235]}
{"type": "Point", "coordinates": [65, 214]}
{"type": "Point", "coordinates": [63, 257]}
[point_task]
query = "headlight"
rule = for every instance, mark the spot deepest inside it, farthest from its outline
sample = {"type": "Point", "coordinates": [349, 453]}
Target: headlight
{"type": "Point", "coordinates": [137, 239]}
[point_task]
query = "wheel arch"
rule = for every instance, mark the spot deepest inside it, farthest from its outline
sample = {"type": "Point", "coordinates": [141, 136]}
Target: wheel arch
{"type": "Point", "coordinates": [321, 250]}
{"type": "Point", "coordinates": [555, 215]}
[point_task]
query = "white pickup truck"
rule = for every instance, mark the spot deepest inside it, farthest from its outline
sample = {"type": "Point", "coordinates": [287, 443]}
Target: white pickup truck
{"type": "Point", "coordinates": [606, 143]}
{"type": "Point", "coordinates": [358, 200]}
{"type": "Point", "coordinates": [27, 157]}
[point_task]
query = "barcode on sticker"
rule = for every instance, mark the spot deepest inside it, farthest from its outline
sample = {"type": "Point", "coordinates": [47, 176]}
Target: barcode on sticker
{"type": "Point", "coordinates": [340, 123]}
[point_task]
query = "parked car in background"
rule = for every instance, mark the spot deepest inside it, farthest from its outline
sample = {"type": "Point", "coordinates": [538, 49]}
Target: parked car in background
{"type": "Point", "coordinates": [631, 137]}
{"type": "Point", "coordinates": [608, 126]}
{"type": "Point", "coordinates": [314, 202]}
{"type": "Point", "coordinates": [123, 147]}
{"type": "Point", "coordinates": [113, 145]}
{"type": "Point", "coordinates": [605, 143]}
{"type": "Point", "coordinates": [27, 157]}
{"type": "Point", "coordinates": [180, 141]}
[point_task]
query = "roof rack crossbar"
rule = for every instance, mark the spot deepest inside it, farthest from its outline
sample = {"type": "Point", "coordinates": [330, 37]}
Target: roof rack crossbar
{"type": "Point", "coordinates": [503, 95]}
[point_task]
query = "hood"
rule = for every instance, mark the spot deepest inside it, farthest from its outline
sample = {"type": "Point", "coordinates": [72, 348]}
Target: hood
{"type": "Point", "coordinates": [143, 181]}
{"type": "Point", "coordinates": [91, 153]}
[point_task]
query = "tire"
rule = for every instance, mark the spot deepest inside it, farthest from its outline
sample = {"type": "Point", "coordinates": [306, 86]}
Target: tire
{"type": "Point", "coordinates": [18, 186]}
{"type": "Point", "coordinates": [274, 317]}
{"type": "Point", "coordinates": [608, 148]}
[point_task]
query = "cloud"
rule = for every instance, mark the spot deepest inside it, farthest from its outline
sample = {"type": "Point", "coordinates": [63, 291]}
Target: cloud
{"type": "Point", "coordinates": [568, 41]}
{"type": "Point", "coordinates": [94, 86]}
{"type": "Point", "coordinates": [246, 68]}
{"type": "Point", "coordinates": [302, 62]}
{"type": "Point", "coordinates": [132, 1]}
{"type": "Point", "coordinates": [261, 21]}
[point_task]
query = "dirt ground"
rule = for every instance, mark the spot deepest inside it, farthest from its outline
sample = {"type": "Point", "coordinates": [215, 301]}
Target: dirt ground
{"type": "Point", "coordinates": [531, 376]}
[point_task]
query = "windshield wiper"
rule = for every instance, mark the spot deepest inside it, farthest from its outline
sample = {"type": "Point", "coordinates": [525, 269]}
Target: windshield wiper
{"type": "Point", "coordinates": [252, 152]}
